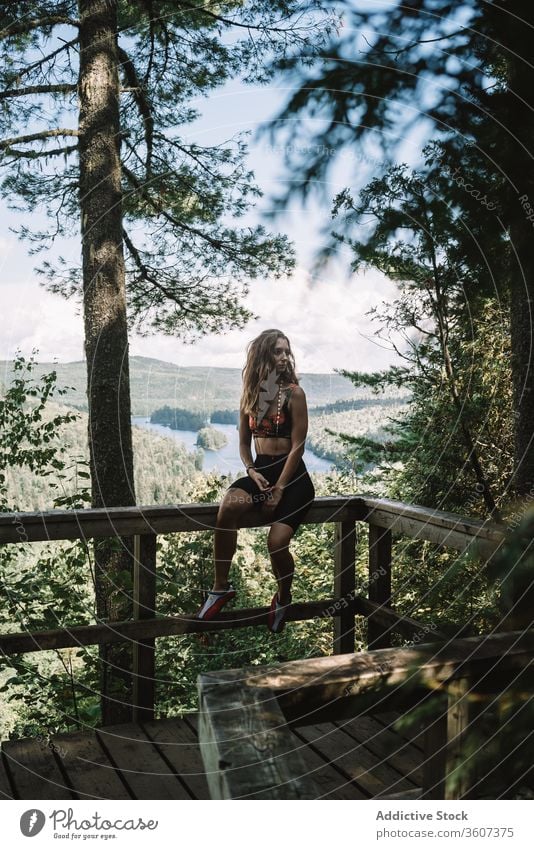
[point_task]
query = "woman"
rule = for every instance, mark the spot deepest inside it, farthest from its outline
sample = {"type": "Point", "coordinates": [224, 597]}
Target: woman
{"type": "Point", "coordinates": [277, 485]}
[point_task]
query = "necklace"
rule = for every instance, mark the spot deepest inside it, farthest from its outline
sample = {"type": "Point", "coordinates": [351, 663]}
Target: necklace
{"type": "Point", "coordinates": [279, 407]}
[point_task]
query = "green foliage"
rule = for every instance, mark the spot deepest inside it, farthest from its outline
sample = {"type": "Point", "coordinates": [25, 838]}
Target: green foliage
{"type": "Point", "coordinates": [28, 440]}
{"type": "Point", "coordinates": [452, 341]}
{"type": "Point", "coordinates": [332, 434]}
{"type": "Point", "coordinates": [511, 569]}
{"type": "Point", "coordinates": [44, 586]}
{"type": "Point", "coordinates": [165, 472]}
{"type": "Point", "coordinates": [189, 259]}
{"type": "Point", "coordinates": [178, 419]}
{"type": "Point", "coordinates": [436, 470]}
{"type": "Point", "coordinates": [211, 439]}
{"type": "Point", "coordinates": [348, 405]}
{"type": "Point", "coordinates": [501, 747]}
{"type": "Point", "coordinates": [225, 417]}
{"type": "Point", "coordinates": [398, 71]}
{"type": "Point", "coordinates": [50, 692]}
{"type": "Point", "coordinates": [451, 443]}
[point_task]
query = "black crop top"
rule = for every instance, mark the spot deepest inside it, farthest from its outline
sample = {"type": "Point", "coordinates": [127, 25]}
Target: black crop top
{"type": "Point", "coordinates": [274, 425]}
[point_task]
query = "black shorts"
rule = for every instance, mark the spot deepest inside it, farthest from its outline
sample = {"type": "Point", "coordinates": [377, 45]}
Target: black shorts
{"type": "Point", "coordinates": [298, 495]}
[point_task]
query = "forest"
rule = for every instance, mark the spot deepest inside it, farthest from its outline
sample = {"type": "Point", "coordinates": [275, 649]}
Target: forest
{"type": "Point", "coordinates": [434, 103]}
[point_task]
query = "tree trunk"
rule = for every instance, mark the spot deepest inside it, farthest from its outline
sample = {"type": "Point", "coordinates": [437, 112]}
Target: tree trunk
{"type": "Point", "coordinates": [106, 334]}
{"type": "Point", "coordinates": [518, 120]}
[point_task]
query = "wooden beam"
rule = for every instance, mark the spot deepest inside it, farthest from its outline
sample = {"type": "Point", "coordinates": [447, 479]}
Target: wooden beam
{"type": "Point", "coordinates": [394, 622]}
{"type": "Point", "coordinates": [125, 521]}
{"type": "Point", "coordinates": [144, 607]}
{"type": "Point", "coordinates": [447, 529]}
{"type": "Point", "coordinates": [435, 749]}
{"type": "Point", "coordinates": [465, 715]}
{"type": "Point", "coordinates": [344, 585]}
{"type": "Point", "coordinates": [304, 686]}
{"type": "Point", "coordinates": [114, 632]}
{"type": "Point", "coordinates": [378, 635]}
{"type": "Point", "coordinates": [247, 748]}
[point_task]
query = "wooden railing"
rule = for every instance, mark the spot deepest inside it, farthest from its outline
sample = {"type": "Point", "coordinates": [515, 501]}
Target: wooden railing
{"type": "Point", "coordinates": [247, 715]}
{"type": "Point", "coordinates": [144, 524]}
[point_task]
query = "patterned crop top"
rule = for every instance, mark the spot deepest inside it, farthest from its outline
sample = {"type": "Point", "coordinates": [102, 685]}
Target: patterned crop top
{"type": "Point", "coordinates": [274, 425]}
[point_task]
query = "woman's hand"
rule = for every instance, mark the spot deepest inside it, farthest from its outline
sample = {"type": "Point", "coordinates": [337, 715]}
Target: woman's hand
{"type": "Point", "coordinates": [272, 502]}
{"type": "Point", "coordinates": [258, 478]}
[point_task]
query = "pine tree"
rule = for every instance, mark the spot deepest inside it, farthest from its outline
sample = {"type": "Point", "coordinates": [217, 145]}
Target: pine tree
{"type": "Point", "coordinates": [418, 228]}
{"type": "Point", "coordinates": [461, 69]}
{"type": "Point", "coordinates": [95, 95]}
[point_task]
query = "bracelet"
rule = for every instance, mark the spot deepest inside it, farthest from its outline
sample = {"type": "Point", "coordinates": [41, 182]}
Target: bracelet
{"type": "Point", "coordinates": [249, 466]}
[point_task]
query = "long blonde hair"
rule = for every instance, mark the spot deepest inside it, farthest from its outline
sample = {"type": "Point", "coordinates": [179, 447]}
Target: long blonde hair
{"type": "Point", "coordinates": [260, 362]}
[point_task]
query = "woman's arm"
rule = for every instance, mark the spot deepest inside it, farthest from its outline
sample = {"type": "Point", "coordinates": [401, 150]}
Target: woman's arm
{"type": "Point", "coordinates": [245, 439]}
{"type": "Point", "coordinates": [299, 429]}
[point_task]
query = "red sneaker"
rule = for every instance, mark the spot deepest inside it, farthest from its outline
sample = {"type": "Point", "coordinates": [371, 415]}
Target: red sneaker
{"type": "Point", "coordinates": [276, 620]}
{"type": "Point", "coordinates": [215, 601]}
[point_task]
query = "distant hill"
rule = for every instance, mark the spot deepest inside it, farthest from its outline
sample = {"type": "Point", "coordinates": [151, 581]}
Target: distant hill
{"type": "Point", "coordinates": [155, 383]}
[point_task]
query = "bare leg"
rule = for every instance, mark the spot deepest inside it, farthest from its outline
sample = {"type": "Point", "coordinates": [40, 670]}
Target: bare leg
{"type": "Point", "coordinates": [234, 504]}
{"type": "Point", "coordinates": [281, 559]}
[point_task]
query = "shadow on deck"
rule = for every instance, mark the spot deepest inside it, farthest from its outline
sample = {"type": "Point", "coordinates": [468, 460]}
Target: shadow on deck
{"type": "Point", "coordinates": [359, 759]}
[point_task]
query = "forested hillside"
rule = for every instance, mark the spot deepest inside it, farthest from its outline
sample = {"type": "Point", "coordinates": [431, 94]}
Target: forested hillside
{"type": "Point", "coordinates": [165, 473]}
{"type": "Point", "coordinates": [156, 384]}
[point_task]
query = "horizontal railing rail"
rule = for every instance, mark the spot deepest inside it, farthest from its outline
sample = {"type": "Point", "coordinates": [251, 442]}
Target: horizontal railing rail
{"type": "Point", "coordinates": [450, 529]}
{"type": "Point", "coordinates": [100, 522]}
{"type": "Point", "coordinates": [144, 524]}
{"type": "Point", "coordinates": [246, 715]}
{"type": "Point", "coordinates": [447, 529]}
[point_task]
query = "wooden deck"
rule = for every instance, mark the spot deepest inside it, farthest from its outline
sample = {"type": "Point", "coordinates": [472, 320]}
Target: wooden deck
{"type": "Point", "coordinates": [360, 759]}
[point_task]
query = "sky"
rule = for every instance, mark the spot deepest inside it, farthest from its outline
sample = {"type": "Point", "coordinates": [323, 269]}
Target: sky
{"type": "Point", "coordinates": [323, 316]}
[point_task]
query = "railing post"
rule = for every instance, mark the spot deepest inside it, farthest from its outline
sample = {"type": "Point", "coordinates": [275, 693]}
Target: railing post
{"type": "Point", "coordinates": [463, 719]}
{"type": "Point", "coordinates": [450, 768]}
{"type": "Point", "coordinates": [379, 636]}
{"type": "Point", "coordinates": [435, 754]}
{"type": "Point", "coordinates": [144, 603]}
{"type": "Point", "coordinates": [344, 585]}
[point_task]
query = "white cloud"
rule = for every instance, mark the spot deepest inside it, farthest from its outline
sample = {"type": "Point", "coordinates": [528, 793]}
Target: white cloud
{"type": "Point", "coordinates": [324, 319]}
{"type": "Point", "coordinates": [33, 318]}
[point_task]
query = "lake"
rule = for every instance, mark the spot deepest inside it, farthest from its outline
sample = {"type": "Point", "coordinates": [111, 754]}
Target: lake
{"type": "Point", "coordinates": [226, 460]}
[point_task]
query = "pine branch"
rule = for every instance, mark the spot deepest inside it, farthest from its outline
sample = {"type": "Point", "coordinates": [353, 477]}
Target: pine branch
{"type": "Point", "coordinates": [149, 276]}
{"type": "Point", "coordinates": [187, 152]}
{"type": "Point", "coordinates": [234, 23]}
{"type": "Point", "coordinates": [398, 50]}
{"type": "Point", "coordinates": [139, 187]}
{"type": "Point", "coordinates": [28, 25]}
{"type": "Point", "coordinates": [40, 62]}
{"type": "Point", "coordinates": [44, 134]}
{"type": "Point", "coordinates": [37, 89]}
{"type": "Point", "coordinates": [142, 103]}
{"type": "Point", "coordinates": [187, 184]}
{"type": "Point", "coordinates": [39, 154]}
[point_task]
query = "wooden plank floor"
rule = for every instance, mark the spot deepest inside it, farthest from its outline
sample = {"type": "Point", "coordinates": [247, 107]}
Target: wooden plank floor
{"type": "Point", "coordinates": [360, 759]}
